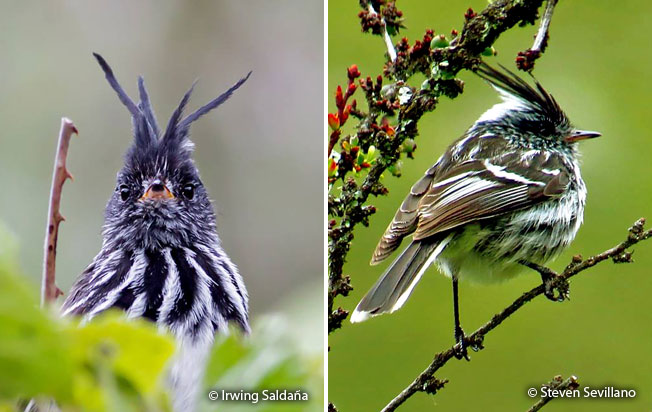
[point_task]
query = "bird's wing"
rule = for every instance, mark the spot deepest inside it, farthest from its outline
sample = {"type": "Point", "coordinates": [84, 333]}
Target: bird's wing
{"type": "Point", "coordinates": [406, 218]}
{"type": "Point", "coordinates": [473, 190]}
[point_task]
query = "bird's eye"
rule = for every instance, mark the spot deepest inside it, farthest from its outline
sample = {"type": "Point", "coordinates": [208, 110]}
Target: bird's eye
{"type": "Point", "coordinates": [188, 191]}
{"type": "Point", "coordinates": [124, 192]}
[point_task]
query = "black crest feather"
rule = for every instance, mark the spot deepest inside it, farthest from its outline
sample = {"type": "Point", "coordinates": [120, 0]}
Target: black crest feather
{"type": "Point", "coordinates": [213, 103]}
{"type": "Point", "coordinates": [147, 106]}
{"type": "Point", "coordinates": [146, 131]}
{"type": "Point", "coordinates": [174, 133]}
{"type": "Point", "coordinates": [538, 99]}
{"type": "Point", "coordinates": [122, 95]}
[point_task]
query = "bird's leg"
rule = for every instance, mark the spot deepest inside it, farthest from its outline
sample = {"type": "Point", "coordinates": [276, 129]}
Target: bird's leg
{"type": "Point", "coordinates": [550, 282]}
{"type": "Point", "coordinates": [460, 347]}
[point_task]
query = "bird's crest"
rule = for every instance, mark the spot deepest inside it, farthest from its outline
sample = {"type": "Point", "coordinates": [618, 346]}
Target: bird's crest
{"type": "Point", "coordinates": [146, 131]}
{"type": "Point", "coordinates": [511, 86]}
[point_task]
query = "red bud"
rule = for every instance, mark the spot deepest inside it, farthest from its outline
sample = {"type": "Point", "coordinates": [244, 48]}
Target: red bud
{"type": "Point", "coordinates": [351, 89]}
{"type": "Point", "coordinates": [345, 114]}
{"type": "Point", "coordinates": [388, 129]}
{"type": "Point", "coordinates": [353, 72]}
{"type": "Point", "coordinates": [339, 98]}
{"type": "Point", "coordinates": [333, 121]}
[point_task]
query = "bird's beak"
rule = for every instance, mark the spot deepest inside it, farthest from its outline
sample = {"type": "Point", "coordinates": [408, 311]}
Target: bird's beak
{"type": "Point", "coordinates": [157, 191]}
{"type": "Point", "coordinates": [578, 135]}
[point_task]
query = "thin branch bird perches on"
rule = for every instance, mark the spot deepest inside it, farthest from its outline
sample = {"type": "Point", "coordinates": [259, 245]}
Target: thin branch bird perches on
{"type": "Point", "coordinates": [426, 381]}
{"type": "Point", "coordinates": [49, 290]}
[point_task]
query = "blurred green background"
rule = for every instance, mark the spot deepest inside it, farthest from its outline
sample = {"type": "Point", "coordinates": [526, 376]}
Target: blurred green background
{"type": "Point", "coordinates": [258, 153]}
{"type": "Point", "coordinates": [598, 66]}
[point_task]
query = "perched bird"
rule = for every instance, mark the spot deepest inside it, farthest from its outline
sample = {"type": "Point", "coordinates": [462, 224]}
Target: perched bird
{"type": "Point", "coordinates": [161, 257]}
{"type": "Point", "coordinates": [506, 195]}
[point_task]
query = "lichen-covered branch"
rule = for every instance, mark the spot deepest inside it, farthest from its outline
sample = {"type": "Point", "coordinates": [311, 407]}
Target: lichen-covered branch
{"type": "Point", "coordinates": [559, 384]}
{"type": "Point", "coordinates": [49, 289]}
{"type": "Point", "coordinates": [618, 254]}
{"type": "Point", "coordinates": [387, 127]}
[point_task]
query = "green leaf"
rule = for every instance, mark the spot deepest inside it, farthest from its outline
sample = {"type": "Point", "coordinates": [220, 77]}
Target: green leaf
{"type": "Point", "coordinates": [133, 350]}
{"type": "Point", "coordinates": [267, 360]}
{"type": "Point", "coordinates": [227, 352]}
{"type": "Point", "coordinates": [33, 355]}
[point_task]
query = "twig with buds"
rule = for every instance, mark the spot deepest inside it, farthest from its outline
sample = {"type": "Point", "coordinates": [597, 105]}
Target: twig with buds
{"type": "Point", "coordinates": [557, 383]}
{"type": "Point", "coordinates": [49, 289]}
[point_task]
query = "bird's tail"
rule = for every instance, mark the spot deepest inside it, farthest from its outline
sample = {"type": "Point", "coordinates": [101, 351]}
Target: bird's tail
{"type": "Point", "coordinates": [394, 287]}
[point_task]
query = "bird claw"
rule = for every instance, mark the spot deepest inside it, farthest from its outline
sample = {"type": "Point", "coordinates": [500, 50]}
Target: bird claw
{"type": "Point", "coordinates": [461, 347]}
{"type": "Point", "coordinates": [554, 282]}
{"type": "Point", "coordinates": [551, 282]}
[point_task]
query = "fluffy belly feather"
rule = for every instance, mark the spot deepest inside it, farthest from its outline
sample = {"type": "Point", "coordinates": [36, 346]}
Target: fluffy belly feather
{"type": "Point", "coordinates": [490, 251]}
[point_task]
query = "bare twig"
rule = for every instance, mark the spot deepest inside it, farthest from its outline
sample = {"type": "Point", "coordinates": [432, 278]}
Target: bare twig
{"type": "Point", "coordinates": [541, 39]}
{"type": "Point", "coordinates": [391, 51]}
{"type": "Point", "coordinates": [49, 289]}
{"type": "Point", "coordinates": [618, 253]}
{"type": "Point", "coordinates": [525, 59]}
{"type": "Point", "coordinates": [556, 384]}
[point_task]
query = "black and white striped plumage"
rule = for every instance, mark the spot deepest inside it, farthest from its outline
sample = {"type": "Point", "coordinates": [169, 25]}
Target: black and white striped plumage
{"type": "Point", "coordinates": [161, 257]}
{"type": "Point", "coordinates": [508, 192]}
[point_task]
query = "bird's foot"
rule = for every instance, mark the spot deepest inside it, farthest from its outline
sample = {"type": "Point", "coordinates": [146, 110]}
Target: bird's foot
{"type": "Point", "coordinates": [460, 346]}
{"type": "Point", "coordinates": [551, 282]}
{"type": "Point", "coordinates": [559, 284]}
